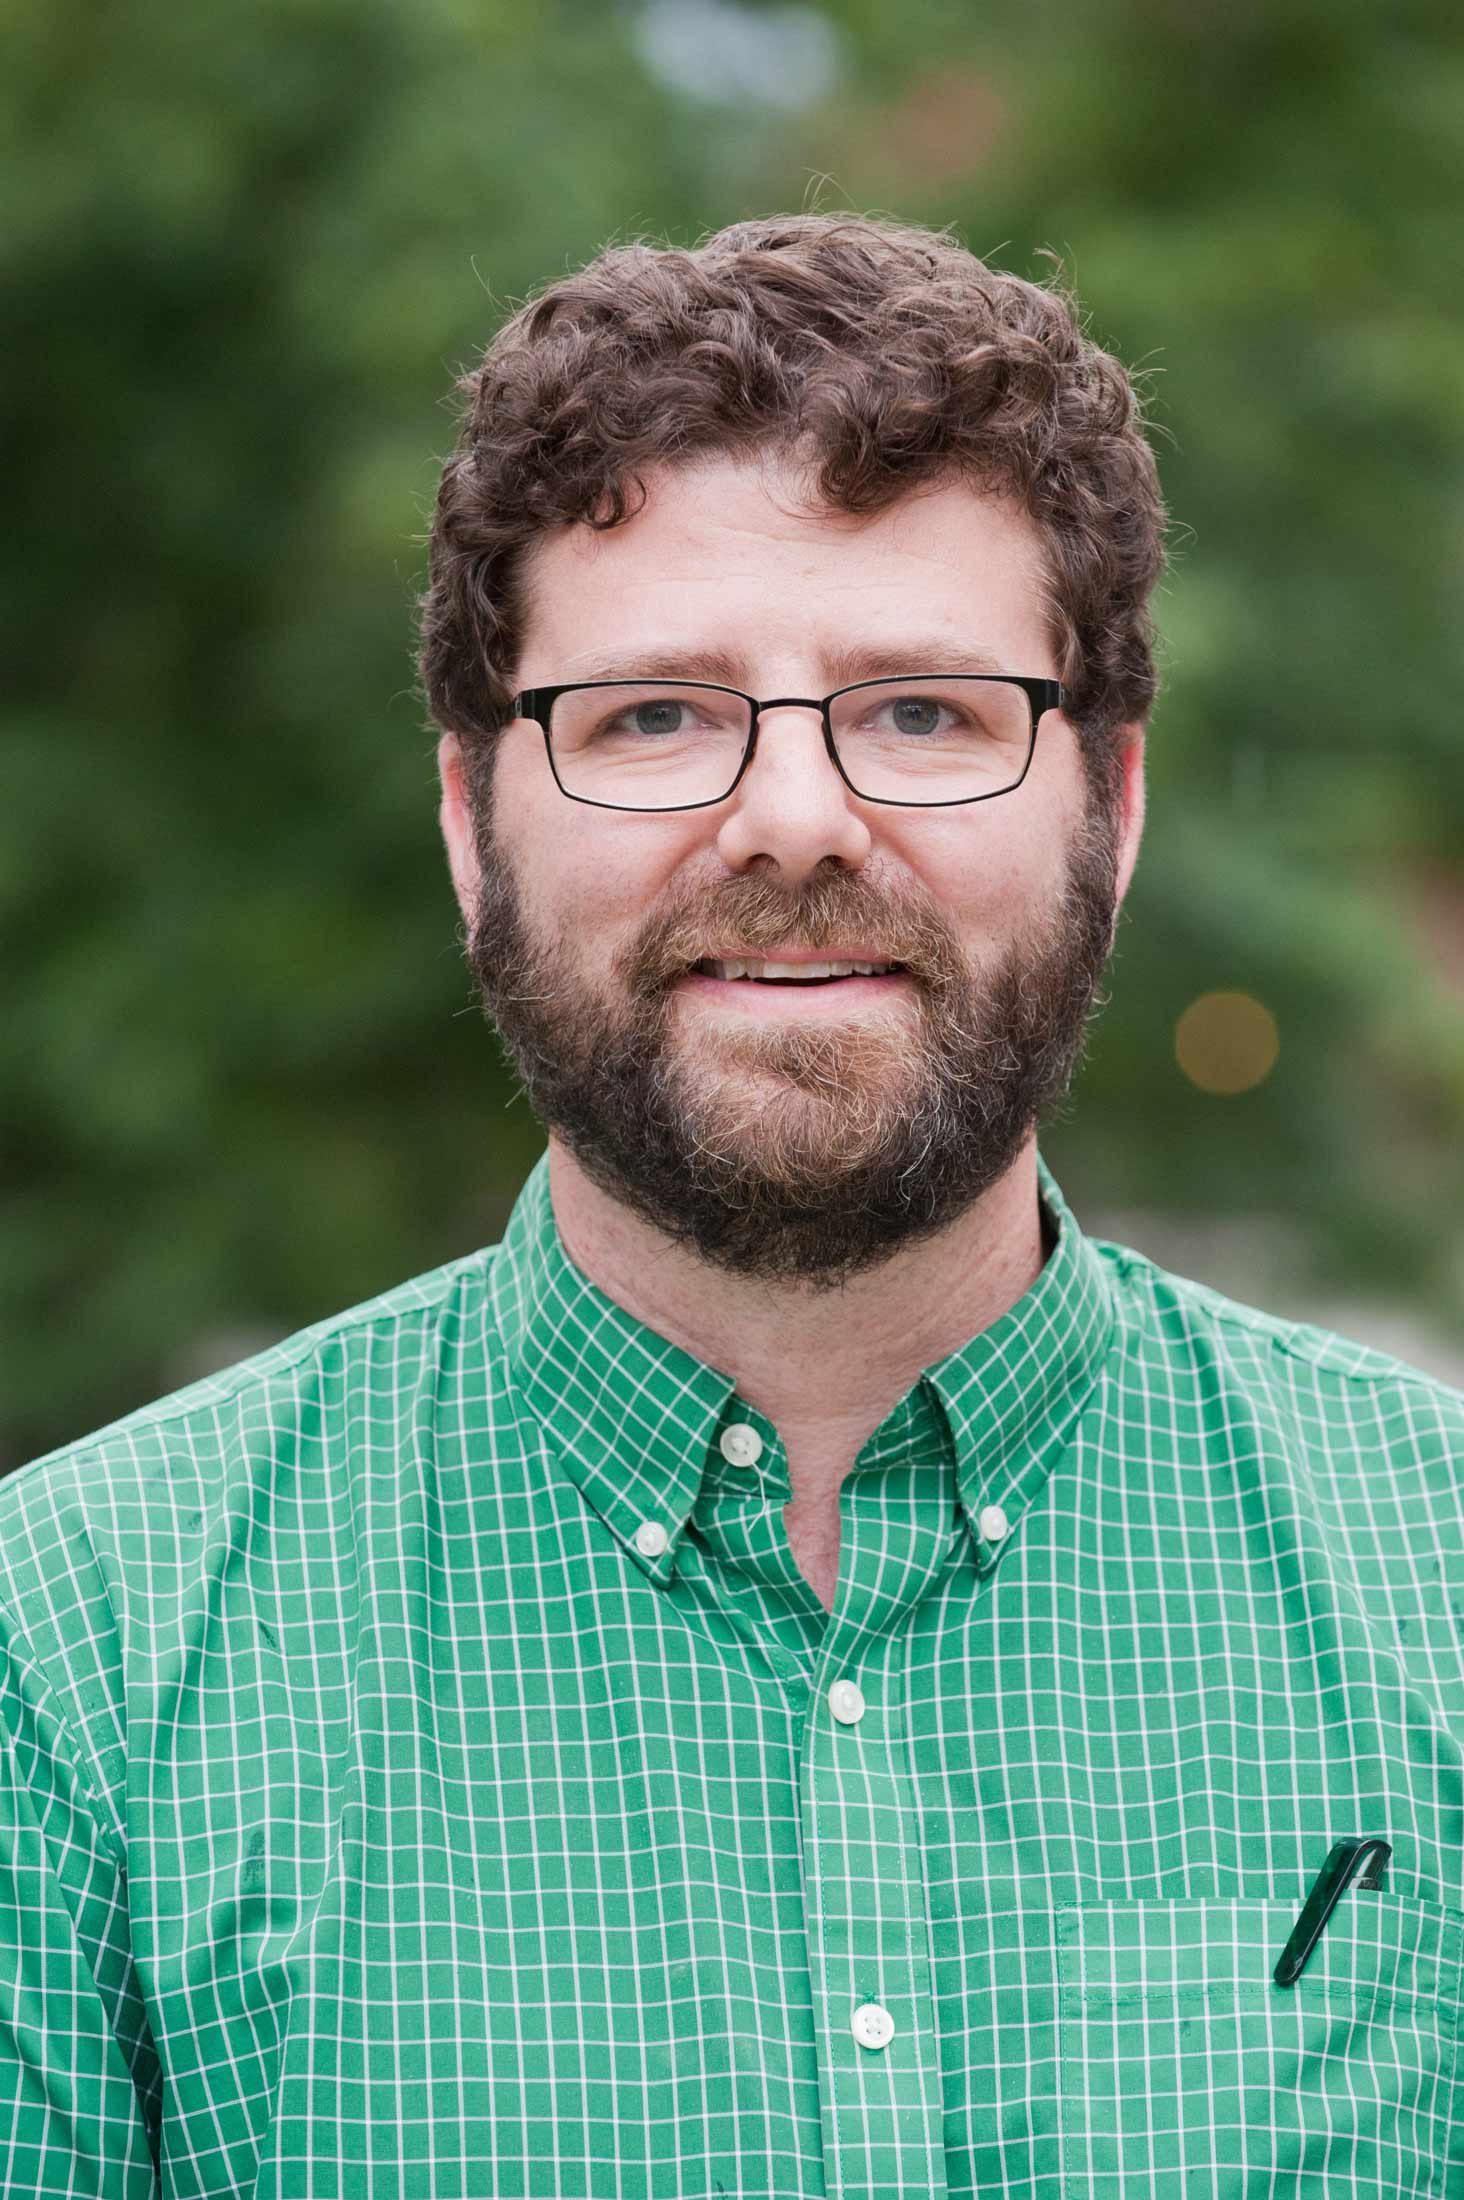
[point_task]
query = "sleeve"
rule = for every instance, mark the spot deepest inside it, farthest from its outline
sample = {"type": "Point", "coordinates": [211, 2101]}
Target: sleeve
{"type": "Point", "coordinates": [80, 2084]}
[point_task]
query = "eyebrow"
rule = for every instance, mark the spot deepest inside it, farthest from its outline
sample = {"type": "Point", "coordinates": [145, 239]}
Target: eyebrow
{"type": "Point", "coordinates": [843, 668]}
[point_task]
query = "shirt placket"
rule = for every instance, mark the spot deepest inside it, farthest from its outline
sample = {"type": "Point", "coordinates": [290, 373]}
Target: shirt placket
{"type": "Point", "coordinates": [864, 1870]}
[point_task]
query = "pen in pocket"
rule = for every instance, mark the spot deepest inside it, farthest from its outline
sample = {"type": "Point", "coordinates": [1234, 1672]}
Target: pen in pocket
{"type": "Point", "coordinates": [1326, 1891]}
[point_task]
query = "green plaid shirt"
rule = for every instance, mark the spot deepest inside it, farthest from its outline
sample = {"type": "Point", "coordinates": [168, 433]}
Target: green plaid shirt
{"type": "Point", "coordinates": [429, 1774]}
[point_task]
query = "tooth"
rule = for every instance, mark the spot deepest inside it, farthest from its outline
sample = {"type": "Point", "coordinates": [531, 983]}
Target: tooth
{"type": "Point", "coordinates": [842, 970]}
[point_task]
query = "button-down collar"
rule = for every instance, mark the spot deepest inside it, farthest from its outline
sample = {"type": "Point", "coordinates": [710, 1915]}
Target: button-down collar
{"type": "Point", "coordinates": [636, 1421]}
{"type": "Point", "coordinates": [1012, 1394]}
{"type": "Point", "coordinates": [631, 1416]}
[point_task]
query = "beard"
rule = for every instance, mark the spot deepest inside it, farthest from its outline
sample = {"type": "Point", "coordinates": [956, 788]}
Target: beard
{"type": "Point", "coordinates": [786, 1153]}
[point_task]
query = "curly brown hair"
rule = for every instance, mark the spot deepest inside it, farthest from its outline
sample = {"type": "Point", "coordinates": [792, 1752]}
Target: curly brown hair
{"type": "Point", "coordinates": [882, 356]}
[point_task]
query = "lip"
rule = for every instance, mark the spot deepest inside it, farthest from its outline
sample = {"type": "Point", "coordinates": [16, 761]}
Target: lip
{"type": "Point", "coordinates": [839, 997]}
{"type": "Point", "coordinates": [798, 955]}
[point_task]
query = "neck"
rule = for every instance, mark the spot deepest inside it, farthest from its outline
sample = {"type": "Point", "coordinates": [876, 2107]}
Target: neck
{"type": "Point", "coordinates": [824, 1366]}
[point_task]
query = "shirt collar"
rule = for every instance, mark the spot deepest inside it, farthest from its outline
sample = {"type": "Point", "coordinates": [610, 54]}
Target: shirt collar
{"type": "Point", "coordinates": [1012, 1393]}
{"type": "Point", "coordinates": [630, 1415]}
{"type": "Point", "coordinates": [635, 1419]}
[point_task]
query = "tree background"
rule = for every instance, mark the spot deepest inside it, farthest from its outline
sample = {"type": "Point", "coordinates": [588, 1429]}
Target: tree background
{"type": "Point", "coordinates": [249, 247]}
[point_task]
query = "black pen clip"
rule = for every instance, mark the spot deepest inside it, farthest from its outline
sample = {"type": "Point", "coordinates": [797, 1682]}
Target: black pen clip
{"type": "Point", "coordinates": [1325, 1894]}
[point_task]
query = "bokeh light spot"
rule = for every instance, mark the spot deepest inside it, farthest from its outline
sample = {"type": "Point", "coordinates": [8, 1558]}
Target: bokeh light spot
{"type": "Point", "coordinates": [1226, 1042]}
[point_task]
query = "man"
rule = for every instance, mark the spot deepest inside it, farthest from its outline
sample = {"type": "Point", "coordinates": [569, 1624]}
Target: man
{"type": "Point", "coordinates": [799, 1672]}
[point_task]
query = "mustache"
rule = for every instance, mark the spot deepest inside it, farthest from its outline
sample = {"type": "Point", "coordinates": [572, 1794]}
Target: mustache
{"type": "Point", "coordinates": [754, 916]}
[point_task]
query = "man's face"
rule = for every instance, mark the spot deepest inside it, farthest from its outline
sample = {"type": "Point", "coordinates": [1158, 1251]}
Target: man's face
{"type": "Point", "coordinates": [790, 1131]}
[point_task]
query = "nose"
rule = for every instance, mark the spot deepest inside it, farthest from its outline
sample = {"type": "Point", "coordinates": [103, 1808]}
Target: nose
{"type": "Point", "coordinates": [790, 807]}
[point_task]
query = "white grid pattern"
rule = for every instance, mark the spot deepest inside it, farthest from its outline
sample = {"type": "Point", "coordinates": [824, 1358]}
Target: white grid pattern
{"type": "Point", "coordinates": [379, 1821]}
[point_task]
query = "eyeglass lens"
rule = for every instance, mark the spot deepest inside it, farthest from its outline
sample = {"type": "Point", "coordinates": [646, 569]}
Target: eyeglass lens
{"type": "Point", "coordinates": [651, 744]}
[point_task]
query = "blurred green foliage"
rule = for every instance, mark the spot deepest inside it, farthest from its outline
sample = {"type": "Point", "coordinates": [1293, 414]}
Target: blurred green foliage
{"type": "Point", "coordinates": [247, 249]}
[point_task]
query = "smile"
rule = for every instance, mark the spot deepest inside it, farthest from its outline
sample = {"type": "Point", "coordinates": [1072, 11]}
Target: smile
{"type": "Point", "coordinates": [814, 991]}
{"type": "Point", "coordinates": [788, 973]}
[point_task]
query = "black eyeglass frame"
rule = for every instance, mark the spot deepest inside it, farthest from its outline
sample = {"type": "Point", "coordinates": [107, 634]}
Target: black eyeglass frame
{"type": "Point", "coordinates": [1042, 696]}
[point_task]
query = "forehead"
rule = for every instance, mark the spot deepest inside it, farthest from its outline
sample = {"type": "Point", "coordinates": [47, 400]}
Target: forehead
{"type": "Point", "coordinates": [730, 557]}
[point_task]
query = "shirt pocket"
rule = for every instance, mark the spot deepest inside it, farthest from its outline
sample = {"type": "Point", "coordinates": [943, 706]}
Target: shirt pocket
{"type": "Point", "coordinates": [1185, 2069]}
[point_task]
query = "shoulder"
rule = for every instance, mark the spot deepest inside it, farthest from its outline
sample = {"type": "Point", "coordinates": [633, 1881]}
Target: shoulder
{"type": "Point", "coordinates": [180, 1451]}
{"type": "Point", "coordinates": [1326, 1397]}
{"type": "Point", "coordinates": [122, 1553]}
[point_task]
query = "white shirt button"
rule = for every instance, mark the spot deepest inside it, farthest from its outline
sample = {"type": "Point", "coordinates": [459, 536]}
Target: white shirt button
{"type": "Point", "coordinates": [993, 1523]}
{"type": "Point", "coordinates": [846, 1702]}
{"type": "Point", "coordinates": [740, 1445]}
{"type": "Point", "coordinates": [651, 1539]}
{"type": "Point", "coordinates": [873, 2026]}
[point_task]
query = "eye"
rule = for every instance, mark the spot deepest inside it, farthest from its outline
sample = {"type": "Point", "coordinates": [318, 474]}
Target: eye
{"type": "Point", "coordinates": [651, 715]}
{"type": "Point", "coordinates": [665, 715]}
{"type": "Point", "coordinates": [915, 713]}
{"type": "Point", "coordinates": [910, 712]}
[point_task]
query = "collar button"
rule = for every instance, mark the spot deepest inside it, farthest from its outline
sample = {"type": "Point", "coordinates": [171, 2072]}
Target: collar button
{"type": "Point", "coordinates": [740, 1445]}
{"type": "Point", "coordinates": [651, 1539]}
{"type": "Point", "coordinates": [993, 1523]}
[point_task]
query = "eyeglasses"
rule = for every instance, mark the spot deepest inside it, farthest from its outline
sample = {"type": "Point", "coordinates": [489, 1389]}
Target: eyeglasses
{"type": "Point", "coordinates": [917, 740]}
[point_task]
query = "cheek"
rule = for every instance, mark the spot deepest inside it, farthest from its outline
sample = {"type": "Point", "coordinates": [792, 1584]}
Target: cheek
{"type": "Point", "coordinates": [968, 870]}
{"type": "Point", "coordinates": [597, 882]}
{"type": "Point", "coordinates": [576, 866]}
{"type": "Point", "coordinates": [988, 876]}
{"type": "Point", "coordinates": [617, 878]}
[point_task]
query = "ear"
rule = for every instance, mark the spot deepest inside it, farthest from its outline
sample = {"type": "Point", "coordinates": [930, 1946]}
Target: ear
{"type": "Point", "coordinates": [455, 817]}
{"type": "Point", "coordinates": [1131, 803]}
